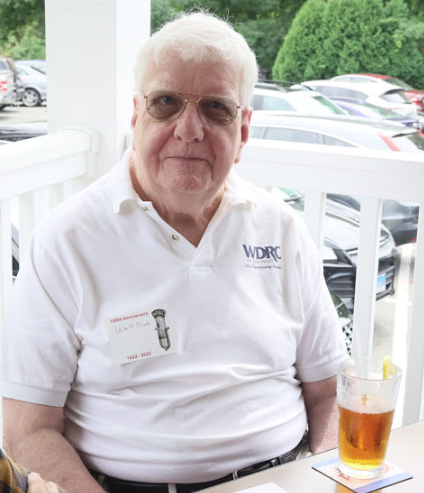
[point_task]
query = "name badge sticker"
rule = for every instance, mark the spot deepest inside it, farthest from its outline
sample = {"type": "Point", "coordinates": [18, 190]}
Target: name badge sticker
{"type": "Point", "coordinates": [140, 336]}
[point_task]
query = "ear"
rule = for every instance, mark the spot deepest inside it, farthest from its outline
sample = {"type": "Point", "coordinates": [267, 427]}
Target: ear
{"type": "Point", "coordinates": [136, 103]}
{"type": "Point", "coordinates": [244, 130]}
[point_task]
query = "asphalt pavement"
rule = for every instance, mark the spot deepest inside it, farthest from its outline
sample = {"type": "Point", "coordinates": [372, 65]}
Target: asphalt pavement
{"type": "Point", "coordinates": [22, 114]}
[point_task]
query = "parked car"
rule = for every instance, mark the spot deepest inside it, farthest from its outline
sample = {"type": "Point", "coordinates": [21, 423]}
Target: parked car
{"type": "Point", "coordinates": [305, 102]}
{"type": "Point", "coordinates": [272, 86]}
{"type": "Point", "coordinates": [34, 84]}
{"type": "Point", "coordinates": [415, 95]}
{"type": "Point", "coordinates": [345, 320]}
{"type": "Point", "coordinates": [399, 216]}
{"type": "Point", "coordinates": [8, 83]}
{"type": "Point", "coordinates": [336, 130]}
{"type": "Point", "coordinates": [39, 65]}
{"type": "Point", "coordinates": [377, 113]}
{"type": "Point", "coordinates": [383, 94]}
{"type": "Point", "coordinates": [341, 243]}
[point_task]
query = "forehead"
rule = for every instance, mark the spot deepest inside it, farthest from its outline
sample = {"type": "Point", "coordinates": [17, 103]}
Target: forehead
{"type": "Point", "coordinates": [189, 76]}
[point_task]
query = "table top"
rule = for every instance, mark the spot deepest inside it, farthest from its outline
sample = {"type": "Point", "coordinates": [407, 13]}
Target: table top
{"type": "Point", "coordinates": [406, 450]}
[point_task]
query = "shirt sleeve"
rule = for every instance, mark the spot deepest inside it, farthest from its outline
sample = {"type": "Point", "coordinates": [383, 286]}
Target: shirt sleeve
{"type": "Point", "coordinates": [40, 348]}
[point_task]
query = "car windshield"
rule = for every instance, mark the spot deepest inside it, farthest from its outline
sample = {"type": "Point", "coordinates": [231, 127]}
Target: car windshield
{"type": "Point", "coordinates": [317, 105]}
{"type": "Point", "coordinates": [40, 68]}
{"type": "Point", "coordinates": [398, 82]}
{"type": "Point", "coordinates": [395, 96]}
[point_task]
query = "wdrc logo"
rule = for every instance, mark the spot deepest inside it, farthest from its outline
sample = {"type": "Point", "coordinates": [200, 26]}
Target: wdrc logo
{"type": "Point", "coordinates": [262, 257]}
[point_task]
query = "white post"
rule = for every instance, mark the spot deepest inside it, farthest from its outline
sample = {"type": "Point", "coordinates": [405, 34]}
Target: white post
{"type": "Point", "coordinates": [91, 50]}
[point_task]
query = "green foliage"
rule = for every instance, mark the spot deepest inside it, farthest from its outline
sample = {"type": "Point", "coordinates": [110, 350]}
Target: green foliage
{"type": "Point", "coordinates": [331, 37]}
{"type": "Point", "coordinates": [264, 24]}
{"type": "Point", "coordinates": [416, 7]}
{"type": "Point", "coordinates": [22, 32]}
{"type": "Point", "coordinates": [163, 11]}
{"type": "Point", "coordinates": [258, 33]}
{"type": "Point", "coordinates": [301, 43]}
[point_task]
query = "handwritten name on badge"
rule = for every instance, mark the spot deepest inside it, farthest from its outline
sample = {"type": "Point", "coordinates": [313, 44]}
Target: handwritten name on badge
{"type": "Point", "coordinates": [142, 335]}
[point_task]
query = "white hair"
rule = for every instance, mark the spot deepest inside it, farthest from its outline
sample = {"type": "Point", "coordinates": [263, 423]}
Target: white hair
{"type": "Point", "coordinates": [200, 37]}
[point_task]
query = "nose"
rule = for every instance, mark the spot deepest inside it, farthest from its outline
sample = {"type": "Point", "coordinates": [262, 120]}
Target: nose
{"type": "Point", "coordinates": [189, 125]}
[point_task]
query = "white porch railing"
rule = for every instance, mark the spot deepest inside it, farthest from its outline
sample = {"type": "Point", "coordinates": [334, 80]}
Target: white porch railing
{"type": "Point", "coordinates": [40, 167]}
{"type": "Point", "coordinates": [35, 175]}
{"type": "Point", "coordinates": [372, 175]}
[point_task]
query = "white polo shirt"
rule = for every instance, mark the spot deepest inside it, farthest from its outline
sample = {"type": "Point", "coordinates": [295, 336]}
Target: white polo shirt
{"type": "Point", "coordinates": [173, 363]}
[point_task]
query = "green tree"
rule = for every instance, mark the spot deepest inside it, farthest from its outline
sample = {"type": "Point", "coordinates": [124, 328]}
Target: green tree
{"type": "Point", "coordinates": [416, 7]}
{"type": "Point", "coordinates": [22, 32]}
{"type": "Point", "coordinates": [264, 24]}
{"type": "Point", "coordinates": [301, 43]}
{"type": "Point", "coordinates": [163, 11]}
{"type": "Point", "coordinates": [331, 37]}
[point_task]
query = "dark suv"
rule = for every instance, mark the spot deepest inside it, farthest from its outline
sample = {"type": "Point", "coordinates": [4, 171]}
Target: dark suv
{"type": "Point", "coordinates": [9, 83]}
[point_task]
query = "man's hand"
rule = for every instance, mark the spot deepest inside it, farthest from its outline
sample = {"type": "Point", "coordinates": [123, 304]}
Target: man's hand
{"type": "Point", "coordinates": [37, 485]}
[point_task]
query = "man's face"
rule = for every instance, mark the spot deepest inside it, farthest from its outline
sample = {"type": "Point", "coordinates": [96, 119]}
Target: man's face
{"type": "Point", "coordinates": [186, 160]}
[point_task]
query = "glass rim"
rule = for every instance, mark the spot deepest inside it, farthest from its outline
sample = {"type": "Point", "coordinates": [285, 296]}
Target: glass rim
{"type": "Point", "coordinates": [397, 370]}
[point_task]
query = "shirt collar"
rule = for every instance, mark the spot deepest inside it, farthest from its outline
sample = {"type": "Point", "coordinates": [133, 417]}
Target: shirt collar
{"type": "Point", "coordinates": [120, 187]}
{"type": "Point", "coordinates": [238, 190]}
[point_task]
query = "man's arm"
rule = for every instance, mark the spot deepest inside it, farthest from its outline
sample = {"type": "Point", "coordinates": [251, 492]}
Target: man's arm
{"type": "Point", "coordinates": [321, 407]}
{"type": "Point", "coordinates": [33, 436]}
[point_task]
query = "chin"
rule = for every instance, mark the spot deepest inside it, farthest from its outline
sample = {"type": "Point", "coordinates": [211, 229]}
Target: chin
{"type": "Point", "coordinates": [188, 184]}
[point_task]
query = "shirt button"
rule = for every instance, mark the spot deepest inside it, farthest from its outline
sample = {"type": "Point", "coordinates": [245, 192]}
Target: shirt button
{"type": "Point", "coordinates": [144, 208]}
{"type": "Point", "coordinates": [175, 237]}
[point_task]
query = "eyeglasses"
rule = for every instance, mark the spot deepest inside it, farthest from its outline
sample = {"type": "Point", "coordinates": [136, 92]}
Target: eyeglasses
{"type": "Point", "coordinates": [168, 105]}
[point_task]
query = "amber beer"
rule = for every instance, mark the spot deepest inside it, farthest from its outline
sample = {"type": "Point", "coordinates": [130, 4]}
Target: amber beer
{"type": "Point", "coordinates": [364, 431]}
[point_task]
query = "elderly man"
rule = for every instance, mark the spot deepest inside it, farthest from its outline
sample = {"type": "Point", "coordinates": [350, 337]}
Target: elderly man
{"type": "Point", "coordinates": [170, 328]}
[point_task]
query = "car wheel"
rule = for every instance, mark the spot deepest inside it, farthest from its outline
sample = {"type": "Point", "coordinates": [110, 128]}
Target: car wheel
{"type": "Point", "coordinates": [31, 98]}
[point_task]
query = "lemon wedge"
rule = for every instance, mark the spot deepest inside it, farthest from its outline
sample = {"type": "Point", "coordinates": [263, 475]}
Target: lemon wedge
{"type": "Point", "coordinates": [388, 369]}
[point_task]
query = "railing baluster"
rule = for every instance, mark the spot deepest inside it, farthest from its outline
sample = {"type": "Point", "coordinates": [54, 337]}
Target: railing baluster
{"type": "Point", "coordinates": [315, 206]}
{"type": "Point", "coordinates": [26, 222]}
{"type": "Point", "coordinates": [366, 276]}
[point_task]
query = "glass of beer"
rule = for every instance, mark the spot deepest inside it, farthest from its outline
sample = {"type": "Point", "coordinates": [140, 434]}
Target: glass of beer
{"type": "Point", "coordinates": [367, 391]}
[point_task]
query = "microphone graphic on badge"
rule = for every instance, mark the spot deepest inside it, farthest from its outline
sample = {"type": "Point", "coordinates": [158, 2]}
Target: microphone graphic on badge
{"type": "Point", "coordinates": [162, 329]}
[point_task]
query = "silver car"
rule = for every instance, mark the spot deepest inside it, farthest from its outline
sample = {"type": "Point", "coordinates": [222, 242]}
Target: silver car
{"type": "Point", "coordinates": [339, 130]}
{"type": "Point", "coordinates": [384, 95]}
{"type": "Point", "coordinates": [298, 101]}
{"type": "Point", "coordinates": [34, 83]}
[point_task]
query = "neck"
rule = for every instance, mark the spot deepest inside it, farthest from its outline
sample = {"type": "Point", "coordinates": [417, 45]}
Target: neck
{"type": "Point", "coordinates": [188, 214]}
{"type": "Point", "coordinates": [192, 221]}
